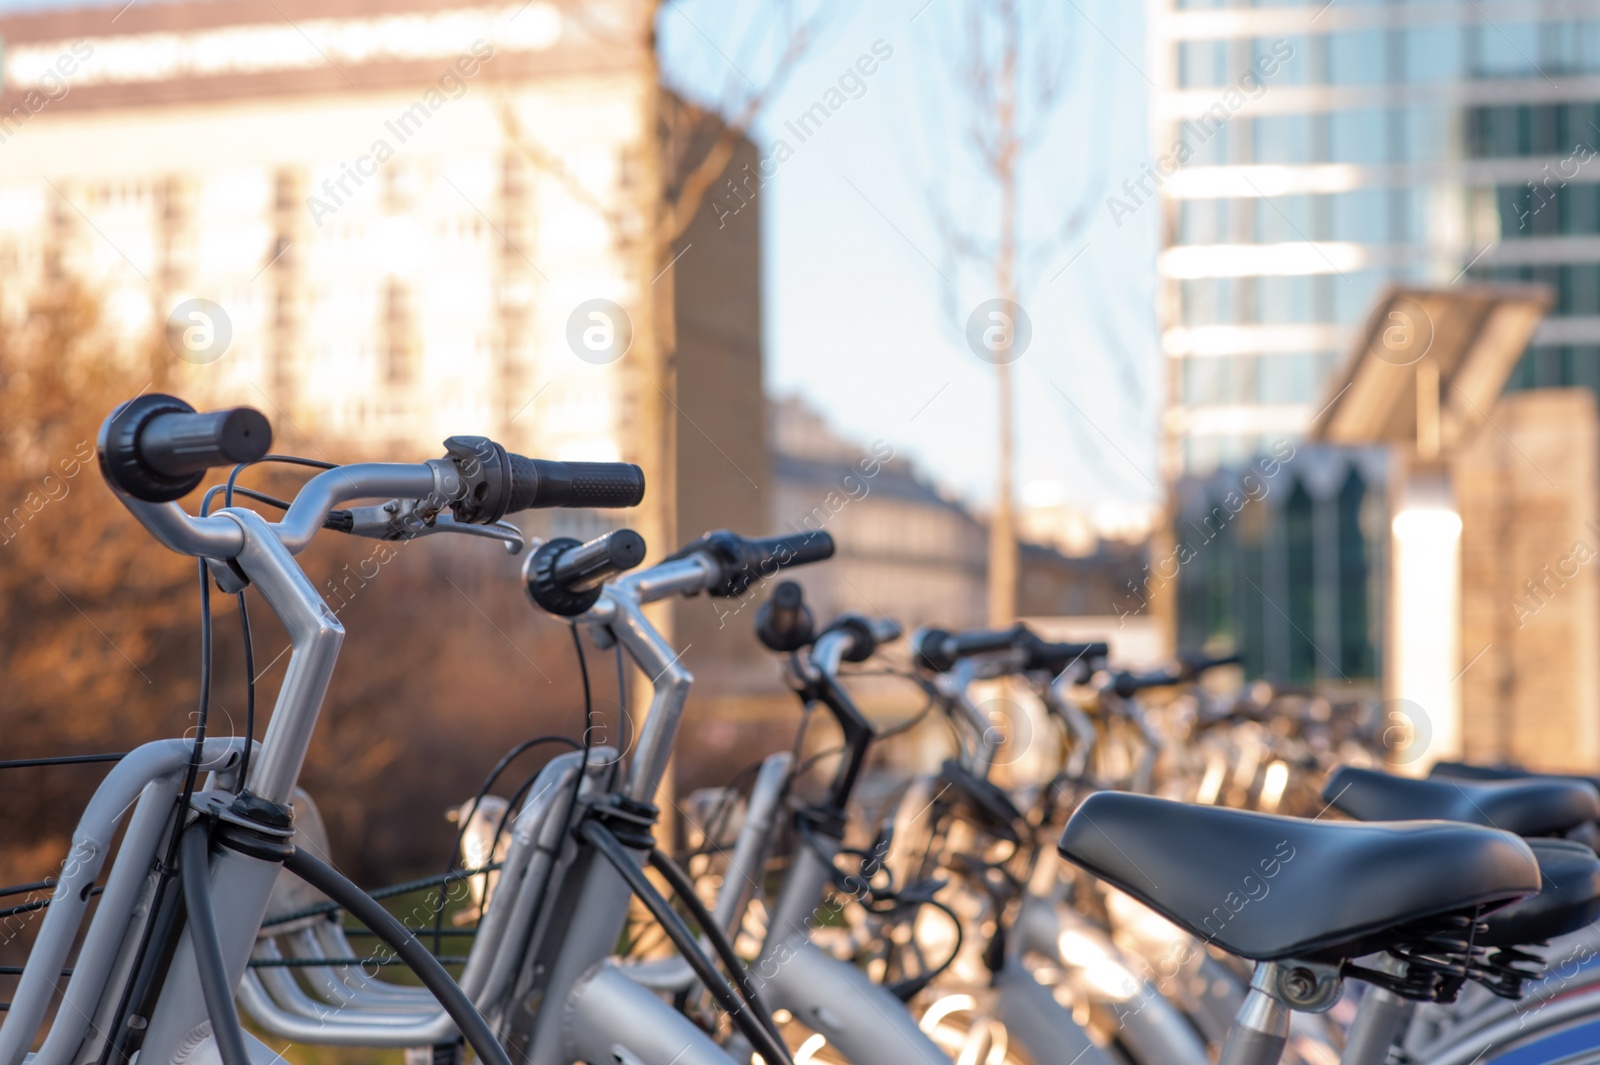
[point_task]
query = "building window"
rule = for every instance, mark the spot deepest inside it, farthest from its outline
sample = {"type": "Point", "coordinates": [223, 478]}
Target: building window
{"type": "Point", "coordinates": [1357, 656]}
{"type": "Point", "coordinates": [1300, 551]}
{"type": "Point", "coordinates": [400, 346]}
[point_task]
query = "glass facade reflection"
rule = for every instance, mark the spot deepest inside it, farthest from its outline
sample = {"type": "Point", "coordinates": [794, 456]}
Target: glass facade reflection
{"type": "Point", "coordinates": [1323, 152]}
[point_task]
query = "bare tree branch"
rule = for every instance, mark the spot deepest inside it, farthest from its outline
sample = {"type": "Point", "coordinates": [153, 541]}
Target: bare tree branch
{"type": "Point", "coordinates": [973, 52]}
{"type": "Point", "coordinates": [696, 181]}
{"type": "Point", "coordinates": [552, 164]}
{"type": "Point", "coordinates": [691, 166]}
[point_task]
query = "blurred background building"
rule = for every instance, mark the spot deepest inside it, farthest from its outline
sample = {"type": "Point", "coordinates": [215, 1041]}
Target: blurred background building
{"type": "Point", "coordinates": [913, 551]}
{"type": "Point", "coordinates": [1317, 155]}
{"type": "Point", "coordinates": [257, 178]}
{"type": "Point", "coordinates": [403, 216]}
{"type": "Point", "coordinates": [407, 219]}
{"type": "Point", "coordinates": [1325, 158]}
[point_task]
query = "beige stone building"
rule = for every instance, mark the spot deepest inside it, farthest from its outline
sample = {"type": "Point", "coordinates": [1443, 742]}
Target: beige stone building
{"type": "Point", "coordinates": [405, 219]}
{"type": "Point", "coordinates": [405, 215]}
{"type": "Point", "coordinates": [1529, 495]}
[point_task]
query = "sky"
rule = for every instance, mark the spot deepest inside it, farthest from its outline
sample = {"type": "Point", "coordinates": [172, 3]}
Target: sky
{"type": "Point", "coordinates": [866, 298]}
{"type": "Point", "coordinates": [865, 302]}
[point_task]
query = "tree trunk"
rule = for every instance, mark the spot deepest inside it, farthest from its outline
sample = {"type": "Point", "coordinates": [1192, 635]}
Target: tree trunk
{"type": "Point", "coordinates": [1002, 526]}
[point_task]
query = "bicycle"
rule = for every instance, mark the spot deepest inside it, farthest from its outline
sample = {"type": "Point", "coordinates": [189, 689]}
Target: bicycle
{"type": "Point", "coordinates": [1309, 901]}
{"type": "Point", "coordinates": [158, 966]}
{"type": "Point", "coordinates": [1543, 811]}
{"type": "Point", "coordinates": [547, 976]}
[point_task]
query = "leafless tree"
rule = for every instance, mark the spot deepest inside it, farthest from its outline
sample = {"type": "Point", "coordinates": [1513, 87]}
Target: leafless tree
{"type": "Point", "coordinates": [690, 146]}
{"type": "Point", "coordinates": [1007, 60]}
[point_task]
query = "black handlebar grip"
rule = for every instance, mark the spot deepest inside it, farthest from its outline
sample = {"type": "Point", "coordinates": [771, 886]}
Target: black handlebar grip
{"type": "Point", "coordinates": [983, 641]}
{"type": "Point", "coordinates": [767, 555]}
{"type": "Point", "coordinates": [797, 549]}
{"type": "Point", "coordinates": [156, 448]}
{"type": "Point", "coordinates": [1195, 664]}
{"type": "Point", "coordinates": [565, 577]}
{"type": "Point", "coordinates": [927, 650]}
{"type": "Point", "coordinates": [885, 630]}
{"type": "Point", "coordinates": [547, 483]}
{"type": "Point", "coordinates": [1129, 684]}
{"type": "Point", "coordinates": [1056, 657]}
{"type": "Point", "coordinates": [939, 650]}
{"type": "Point", "coordinates": [744, 561]}
{"type": "Point", "coordinates": [784, 622]}
{"type": "Point", "coordinates": [177, 445]}
{"type": "Point", "coordinates": [590, 565]}
{"type": "Point", "coordinates": [866, 634]}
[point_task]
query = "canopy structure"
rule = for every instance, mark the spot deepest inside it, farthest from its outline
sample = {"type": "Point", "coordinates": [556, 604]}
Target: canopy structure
{"type": "Point", "coordinates": [1423, 377]}
{"type": "Point", "coordinates": [1429, 366]}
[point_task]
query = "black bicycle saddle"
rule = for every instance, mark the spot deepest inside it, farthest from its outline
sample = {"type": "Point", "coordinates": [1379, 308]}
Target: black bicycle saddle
{"type": "Point", "coordinates": [1568, 900]}
{"type": "Point", "coordinates": [1531, 806]}
{"type": "Point", "coordinates": [1265, 887]}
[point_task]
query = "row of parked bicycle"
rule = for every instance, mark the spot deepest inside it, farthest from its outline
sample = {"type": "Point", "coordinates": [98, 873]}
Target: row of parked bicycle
{"type": "Point", "coordinates": [1445, 920]}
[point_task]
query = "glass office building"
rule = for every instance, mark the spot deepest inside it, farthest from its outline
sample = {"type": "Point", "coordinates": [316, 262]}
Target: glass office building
{"type": "Point", "coordinates": [1325, 150]}
{"type": "Point", "coordinates": [1306, 157]}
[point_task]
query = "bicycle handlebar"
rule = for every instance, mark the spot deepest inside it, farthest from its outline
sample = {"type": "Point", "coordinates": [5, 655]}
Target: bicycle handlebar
{"type": "Point", "coordinates": [1056, 657]}
{"type": "Point", "coordinates": [180, 445]}
{"type": "Point", "coordinates": [156, 448]}
{"type": "Point", "coordinates": [1192, 665]}
{"type": "Point", "coordinates": [982, 641]}
{"type": "Point", "coordinates": [565, 577]}
{"type": "Point", "coordinates": [546, 483]}
{"type": "Point", "coordinates": [743, 561]}
{"type": "Point", "coordinates": [589, 565]}
{"type": "Point", "coordinates": [498, 482]}
{"type": "Point", "coordinates": [939, 651]}
{"type": "Point", "coordinates": [784, 622]}
{"type": "Point", "coordinates": [1127, 684]}
{"type": "Point", "coordinates": [858, 638]}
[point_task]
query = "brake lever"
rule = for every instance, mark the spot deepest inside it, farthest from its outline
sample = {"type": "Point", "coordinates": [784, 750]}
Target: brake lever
{"type": "Point", "coordinates": [407, 519]}
{"type": "Point", "coordinates": [503, 531]}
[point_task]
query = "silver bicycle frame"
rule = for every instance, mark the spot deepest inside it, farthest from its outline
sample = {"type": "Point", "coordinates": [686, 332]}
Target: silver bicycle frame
{"type": "Point", "coordinates": [151, 776]}
{"type": "Point", "coordinates": [861, 1019]}
{"type": "Point", "coordinates": [1152, 1027]}
{"type": "Point", "coordinates": [745, 865]}
{"type": "Point", "coordinates": [240, 884]}
{"type": "Point", "coordinates": [586, 1009]}
{"type": "Point", "coordinates": [356, 1010]}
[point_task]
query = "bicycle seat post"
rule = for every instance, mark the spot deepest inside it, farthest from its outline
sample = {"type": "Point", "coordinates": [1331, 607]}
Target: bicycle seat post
{"type": "Point", "coordinates": [1380, 1020]}
{"type": "Point", "coordinates": [1261, 1029]}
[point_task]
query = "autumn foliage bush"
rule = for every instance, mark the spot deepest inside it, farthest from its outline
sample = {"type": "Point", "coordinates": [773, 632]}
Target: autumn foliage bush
{"type": "Point", "coordinates": [444, 664]}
